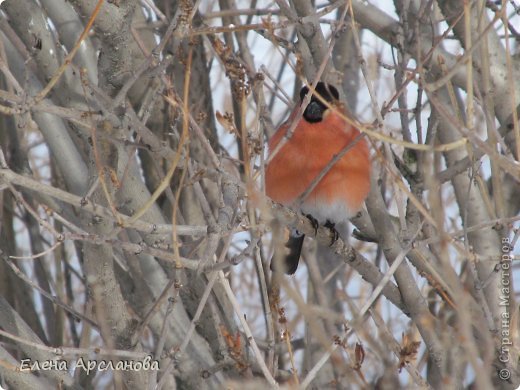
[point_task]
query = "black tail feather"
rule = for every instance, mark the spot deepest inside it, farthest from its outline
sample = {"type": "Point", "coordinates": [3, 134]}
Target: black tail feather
{"type": "Point", "coordinates": [291, 260]}
{"type": "Point", "coordinates": [295, 245]}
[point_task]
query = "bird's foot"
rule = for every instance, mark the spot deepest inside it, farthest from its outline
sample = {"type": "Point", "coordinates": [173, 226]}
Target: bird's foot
{"type": "Point", "coordinates": [332, 227]}
{"type": "Point", "coordinates": [314, 222]}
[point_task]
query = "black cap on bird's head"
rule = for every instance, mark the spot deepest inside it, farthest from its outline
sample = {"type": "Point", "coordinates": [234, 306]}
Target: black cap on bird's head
{"type": "Point", "coordinates": [314, 111]}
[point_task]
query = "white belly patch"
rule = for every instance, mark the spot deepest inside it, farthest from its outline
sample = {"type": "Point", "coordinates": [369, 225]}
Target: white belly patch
{"type": "Point", "coordinates": [335, 212]}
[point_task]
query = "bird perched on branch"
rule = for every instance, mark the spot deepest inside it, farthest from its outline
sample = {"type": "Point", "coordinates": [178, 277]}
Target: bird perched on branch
{"type": "Point", "coordinates": [301, 173]}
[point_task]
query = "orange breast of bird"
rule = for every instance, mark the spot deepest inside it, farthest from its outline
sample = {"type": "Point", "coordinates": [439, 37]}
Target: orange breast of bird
{"type": "Point", "coordinates": [306, 154]}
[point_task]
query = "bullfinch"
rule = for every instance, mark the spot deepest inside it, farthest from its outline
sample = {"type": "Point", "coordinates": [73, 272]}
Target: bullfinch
{"type": "Point", "coordinates": [320, 134]}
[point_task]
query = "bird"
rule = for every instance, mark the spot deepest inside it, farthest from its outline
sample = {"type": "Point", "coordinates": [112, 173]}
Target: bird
{"type": "Point", "coordinates": [320, 134]}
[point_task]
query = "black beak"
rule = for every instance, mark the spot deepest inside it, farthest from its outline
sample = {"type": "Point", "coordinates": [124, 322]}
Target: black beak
{"type": "Point", "coordinates": [314, 112]}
